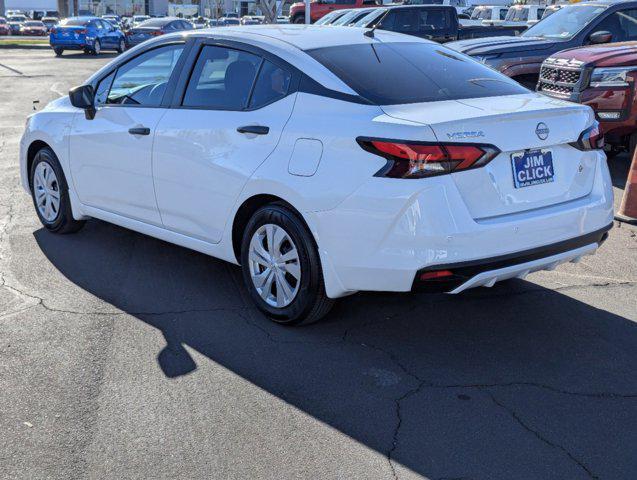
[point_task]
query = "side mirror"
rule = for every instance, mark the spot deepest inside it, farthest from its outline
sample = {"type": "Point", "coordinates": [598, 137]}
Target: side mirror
{"type": "Point", "coordinates": [601, 36]}
{"type": "Point", "coordinates": [84, 97]}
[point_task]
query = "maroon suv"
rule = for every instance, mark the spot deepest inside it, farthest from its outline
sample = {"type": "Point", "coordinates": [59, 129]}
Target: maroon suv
{"type": "Point", "coordinates": [603, 77]}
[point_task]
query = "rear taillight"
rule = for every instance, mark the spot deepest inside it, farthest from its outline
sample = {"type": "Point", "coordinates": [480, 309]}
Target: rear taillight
{"type": "Point", "coordinates": [590, 139]}
{"type": "Point", "coordinates": [156, 32]}
{"type": "Point", "coordinates": [408, 159]}
{"type": "Point", "coordinates": [54, 30]}
{"type": "Point", "coordinates": [129, 32]}
{"type": "Point", "coordinates": [80, 32]}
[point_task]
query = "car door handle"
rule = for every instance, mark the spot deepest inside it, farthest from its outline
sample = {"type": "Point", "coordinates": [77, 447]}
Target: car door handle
{"type": "Point", "coordinates": [139, 131]}
{"type": "Point", "coordinates": [255, 129]}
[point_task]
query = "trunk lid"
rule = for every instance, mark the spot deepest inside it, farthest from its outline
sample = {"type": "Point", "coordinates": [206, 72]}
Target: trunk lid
{"type": "Point", "coordinates": [510, 123]}
{"type": "Point", "coordinates": [69, 34]}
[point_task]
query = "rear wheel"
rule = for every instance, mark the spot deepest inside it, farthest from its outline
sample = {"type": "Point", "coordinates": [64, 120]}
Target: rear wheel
{"type": "Point", "coordinates": [50, 194]}
{"type": "Point", "coordinates": [299, 19]}
{"type": "Point", "coordinates": [58, 51]}
{"type": "Point", "coordinates": [281, 267]}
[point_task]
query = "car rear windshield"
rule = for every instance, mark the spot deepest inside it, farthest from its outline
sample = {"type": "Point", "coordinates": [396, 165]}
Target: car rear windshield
{"type": "Point", "coordinates": [69, 22]}
{"type": "Point", "coordinates": [34, 24]}
{"type": "Point", "coordinates": [397, 73]}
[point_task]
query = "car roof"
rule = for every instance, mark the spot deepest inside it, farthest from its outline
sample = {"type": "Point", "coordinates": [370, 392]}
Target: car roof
{"type": "Point", "coordinates": [305, 37]}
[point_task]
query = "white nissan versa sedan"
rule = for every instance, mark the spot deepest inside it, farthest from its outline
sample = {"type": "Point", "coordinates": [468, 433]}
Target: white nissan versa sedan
{"type": "Point", "coordinates": [324, 163]}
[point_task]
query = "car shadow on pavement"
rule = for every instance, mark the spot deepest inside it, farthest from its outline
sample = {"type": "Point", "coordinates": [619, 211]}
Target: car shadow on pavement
{"type": "Point", "coordinates": [513, 382]}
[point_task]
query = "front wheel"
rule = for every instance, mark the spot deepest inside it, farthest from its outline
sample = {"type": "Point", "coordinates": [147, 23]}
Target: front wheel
{"type": "Point", "coordinates": [299, 19]}
{"type": "Point", "coordinates": [58, 51]}
{"type": "Point", "coordinates": [122, 46]}
{"type": "Point", "coordinates": [97, 48]}
{"type": "Point", "coordinates": [50, 194]}
{"type": "Point", "coordinates": [281, 267]}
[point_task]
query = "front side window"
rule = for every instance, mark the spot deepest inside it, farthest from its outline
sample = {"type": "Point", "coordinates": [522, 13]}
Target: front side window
{"type": "Point", "coordinates": [222, 79]}
{"type": "Point", "coordinates": [402, 72]}
{"type": "Point", "coordinates": [143, 80]}
{"type": "Point", "coordinates": [622, 24]}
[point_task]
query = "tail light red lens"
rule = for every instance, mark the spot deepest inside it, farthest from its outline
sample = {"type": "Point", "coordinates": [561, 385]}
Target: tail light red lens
{"type": "Point", "coordinates": [54, 30]}
{"type": "Point", "coordinates": [156, 32]}
{"type": "Point", "coordinates": [81, 32]}
{"type": "Point", "coordinates": [435, 275]}
{"type": "Point", "coordinates": [407, 159]}
{"type": "Point", "coordinates": [590, 139]}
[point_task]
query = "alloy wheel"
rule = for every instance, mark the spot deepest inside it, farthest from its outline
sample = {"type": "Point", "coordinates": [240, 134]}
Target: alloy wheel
{"type": "Point", "coordinates": [274, 265]}
{"type": "Point", "coordinates": [46, 190]}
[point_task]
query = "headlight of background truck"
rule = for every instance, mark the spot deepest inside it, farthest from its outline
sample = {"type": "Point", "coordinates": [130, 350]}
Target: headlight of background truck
{"type": "Point", "coordinates": [611, 77]}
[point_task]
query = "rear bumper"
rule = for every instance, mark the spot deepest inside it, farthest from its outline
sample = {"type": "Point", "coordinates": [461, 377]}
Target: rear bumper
{"type": "Point", "coordinates": [488, 271]}
{"type": "Point", "coordinates": [381, 237]}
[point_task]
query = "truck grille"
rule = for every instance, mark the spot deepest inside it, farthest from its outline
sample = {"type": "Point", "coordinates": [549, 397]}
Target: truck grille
{"type": "Point", "coordinates": [559, 77]}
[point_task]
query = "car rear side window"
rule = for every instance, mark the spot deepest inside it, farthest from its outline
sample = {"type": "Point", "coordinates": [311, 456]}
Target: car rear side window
{"type": "Point", "coordinates": [222, 79]}
{"type": "Point", "coordinates": [396, 73]}
{"type": "Point", "coordinates": [273, 83]}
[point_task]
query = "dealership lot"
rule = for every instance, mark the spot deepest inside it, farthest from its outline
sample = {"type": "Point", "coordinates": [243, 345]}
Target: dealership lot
{"type": "Point", "coordinates": [123, 356]}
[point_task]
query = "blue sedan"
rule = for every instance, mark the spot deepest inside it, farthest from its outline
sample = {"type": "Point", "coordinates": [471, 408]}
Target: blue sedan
{"type": "Point", "coordinates": [90, 34]}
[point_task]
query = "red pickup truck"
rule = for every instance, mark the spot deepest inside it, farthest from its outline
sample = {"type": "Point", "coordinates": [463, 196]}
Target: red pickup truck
{"type": "Point", "coordinates": [603, 77]}
{"type": "Point", "coordinates": [320, 8]}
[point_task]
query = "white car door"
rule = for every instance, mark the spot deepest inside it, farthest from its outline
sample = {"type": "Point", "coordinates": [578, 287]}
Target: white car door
{"type": "Point", "coordinates": [230, 119]}
{"type": "Point", "coordinates": [111, 154]}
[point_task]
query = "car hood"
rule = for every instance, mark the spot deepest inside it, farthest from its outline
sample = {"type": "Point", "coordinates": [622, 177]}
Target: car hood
{"type": "Point", "coordinates": [497, 45]}
{"type": "Point", "coordinates": [608, 55]}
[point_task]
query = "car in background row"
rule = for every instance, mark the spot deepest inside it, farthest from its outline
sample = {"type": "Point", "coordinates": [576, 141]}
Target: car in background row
{"type": "Point", "coordinates": [324, 163]}
{"type": "Point", "coordinates": [571, 26]}
{"type": "Point", "coordinates": [489, 13]}
{"type": "Point", "coordinates": [15, 23]}
{"type": "Point", "coordinates": [321, 8]}
{"type": "Point", "coordinates": [138, 19]}
{"type": "Point", "coordinates": [50, 22]}
{"type": "Point", "coordinates": [229, 21]}
{"type": "Point", "coordinates": [90, 34]}
{"type": "Point", "coordinates": [527, 14]}
{"type": "Point", "coordinates": [155, 27]}
{"type": "Point", "coordinates": [433, 22]}
{"type": "Point", "coordinates": [331, 17]}
{"type": "Point", "coordinates": [351, 17]}
{"type": "Point", "coordinates": [34, 27]}
{"type": "Point", "coordinates": [4, 27]}
{"type": "Point", "coordinates": [604, 77]}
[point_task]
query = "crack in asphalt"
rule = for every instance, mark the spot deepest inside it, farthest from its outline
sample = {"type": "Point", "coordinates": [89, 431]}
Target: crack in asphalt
{"type": "Point", "coordinates": [539, 436]}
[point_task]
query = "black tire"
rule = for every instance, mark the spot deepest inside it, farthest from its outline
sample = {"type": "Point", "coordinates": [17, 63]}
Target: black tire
{"type": "Point", "coordinates": [97, 47]}
{"type": "Point", "coordinates": [64, 221]}
{"type": "Point", "coordinates": [122, 46]}
{"type": "Point", "coordinates": [58, 51]}
{"type": "Point", "coordinates": [299, 19]}
{"type": "Point", "coordinates": [311, 302]}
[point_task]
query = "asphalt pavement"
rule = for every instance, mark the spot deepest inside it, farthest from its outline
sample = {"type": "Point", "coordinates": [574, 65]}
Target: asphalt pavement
{"type": "Point", "coordinates": [122, 356]}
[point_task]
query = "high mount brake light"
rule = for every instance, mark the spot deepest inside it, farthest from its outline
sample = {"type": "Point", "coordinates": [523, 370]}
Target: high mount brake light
{"type": "Point", "coordinates": [408, 159]}
{"type": "Point", "coordinates": [590, 139]}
